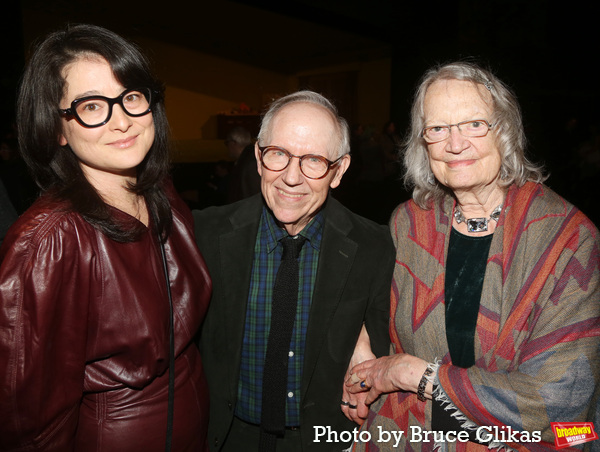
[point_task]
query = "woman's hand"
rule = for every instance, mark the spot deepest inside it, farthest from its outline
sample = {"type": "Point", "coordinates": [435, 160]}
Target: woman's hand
{"type": "Point", "coordinates": [400, 372]}
{"type": "Point", "coordinates": [353, 404]}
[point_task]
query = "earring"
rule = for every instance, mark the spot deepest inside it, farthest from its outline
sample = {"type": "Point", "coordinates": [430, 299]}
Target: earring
{"type": "Point", "coordinates": [431, 179]}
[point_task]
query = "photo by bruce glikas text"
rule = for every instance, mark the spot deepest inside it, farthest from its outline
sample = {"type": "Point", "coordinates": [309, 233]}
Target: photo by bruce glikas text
{"type": "Point", "coordinates": [416, 434]}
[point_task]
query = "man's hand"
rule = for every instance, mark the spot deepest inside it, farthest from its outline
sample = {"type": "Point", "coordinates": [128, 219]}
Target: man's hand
{"type": "Point", "coordinates": [353, 404]}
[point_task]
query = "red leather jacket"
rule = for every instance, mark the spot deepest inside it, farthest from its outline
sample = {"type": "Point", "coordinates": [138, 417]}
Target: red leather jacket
{"type": "Point", "coordinates": [84, 335]}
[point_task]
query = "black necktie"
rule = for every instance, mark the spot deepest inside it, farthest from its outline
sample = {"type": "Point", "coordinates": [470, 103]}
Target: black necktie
{"type": "Point", "coordinates": [283, 314]}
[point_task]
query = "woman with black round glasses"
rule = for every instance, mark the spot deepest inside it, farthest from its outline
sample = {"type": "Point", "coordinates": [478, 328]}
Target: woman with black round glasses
{"type": "Point", "coordinates": [102, 287]}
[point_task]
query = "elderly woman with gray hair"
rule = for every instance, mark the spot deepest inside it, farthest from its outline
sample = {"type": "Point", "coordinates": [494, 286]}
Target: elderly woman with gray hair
{"type": "Point", "coordinates": [495, 312]}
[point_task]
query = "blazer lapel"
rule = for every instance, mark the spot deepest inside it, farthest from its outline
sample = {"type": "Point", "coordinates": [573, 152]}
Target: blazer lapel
{"type": "Point", "coordinates": [335, 261]}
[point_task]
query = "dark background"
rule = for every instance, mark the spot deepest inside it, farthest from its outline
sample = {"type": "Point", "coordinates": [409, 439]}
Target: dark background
{"type": "Point", "coordinates": [546, 51]}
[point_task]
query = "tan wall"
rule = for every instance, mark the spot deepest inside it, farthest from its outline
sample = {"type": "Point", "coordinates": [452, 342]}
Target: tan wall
{"type": "Point", "coordinates": [373, 80]}
{"type": "Point", "coordinates": [200, 86]}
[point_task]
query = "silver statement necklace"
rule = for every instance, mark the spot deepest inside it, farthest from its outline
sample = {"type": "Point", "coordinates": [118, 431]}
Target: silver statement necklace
{"type": "Point", "coordinates": [477, 224]}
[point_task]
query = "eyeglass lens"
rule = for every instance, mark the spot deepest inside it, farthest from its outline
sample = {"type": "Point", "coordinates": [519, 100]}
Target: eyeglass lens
{"type": "Point", "coordinates": [473, 128]}
{"type": "Point", "coordinates": [97, 110]}
{"type": "Point", "coordinates": [312, 166]}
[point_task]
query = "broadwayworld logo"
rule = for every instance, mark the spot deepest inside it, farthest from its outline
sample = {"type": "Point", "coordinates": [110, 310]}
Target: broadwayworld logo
{"type": "Point", "coordinates": [572, 433]}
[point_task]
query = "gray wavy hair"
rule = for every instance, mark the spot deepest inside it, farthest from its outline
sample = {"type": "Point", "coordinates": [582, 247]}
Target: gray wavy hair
{"type": "Point", "coordinates": [508, 130]}
{"type": "Point", "coordinates": [310, 97]}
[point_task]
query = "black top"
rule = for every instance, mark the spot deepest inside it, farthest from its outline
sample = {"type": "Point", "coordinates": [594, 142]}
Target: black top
{"type": "Point", "coordinates": [465, 271]}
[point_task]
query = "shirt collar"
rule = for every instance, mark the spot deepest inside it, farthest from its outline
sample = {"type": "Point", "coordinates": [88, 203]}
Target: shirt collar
{"type": "Point", "coordinates": [312, 232]}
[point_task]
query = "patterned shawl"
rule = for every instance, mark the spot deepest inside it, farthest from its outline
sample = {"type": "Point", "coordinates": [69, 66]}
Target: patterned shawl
{"type": "Point", "coordinates": [537, 339]}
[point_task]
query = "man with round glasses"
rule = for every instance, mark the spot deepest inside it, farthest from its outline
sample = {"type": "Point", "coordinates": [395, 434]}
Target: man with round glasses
{"type": "Point", "coordinates": [344, 279]}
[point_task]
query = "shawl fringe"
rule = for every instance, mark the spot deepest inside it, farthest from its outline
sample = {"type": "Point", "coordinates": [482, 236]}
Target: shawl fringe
{"type": "Point", "coordinates": [440, 396]}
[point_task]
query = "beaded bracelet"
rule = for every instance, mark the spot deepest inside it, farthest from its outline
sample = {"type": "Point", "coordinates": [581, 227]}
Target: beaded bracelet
{"type": "Point", "coordinates": [423, 382]}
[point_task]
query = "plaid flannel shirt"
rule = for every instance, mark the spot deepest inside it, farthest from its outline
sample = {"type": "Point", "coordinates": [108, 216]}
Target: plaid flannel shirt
{"type": "Point", "coordinates": [267, 257]}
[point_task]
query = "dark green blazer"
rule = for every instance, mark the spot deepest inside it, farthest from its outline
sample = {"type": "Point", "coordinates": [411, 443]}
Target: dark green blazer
{"type": "Point", "coordinates": [352, 286]}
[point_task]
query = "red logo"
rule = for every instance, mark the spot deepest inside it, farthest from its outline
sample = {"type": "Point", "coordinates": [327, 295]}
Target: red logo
{"type": "Point", "coordinates": [571, 433]}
